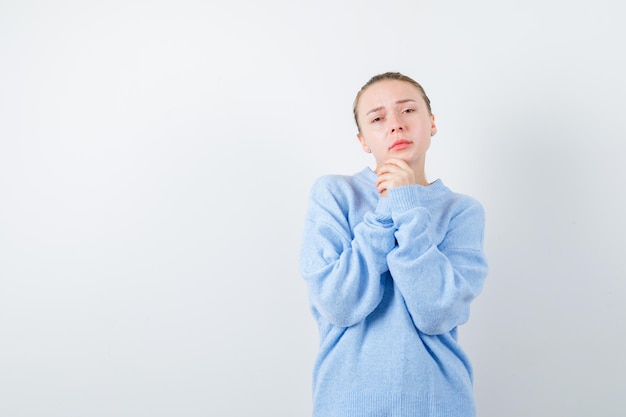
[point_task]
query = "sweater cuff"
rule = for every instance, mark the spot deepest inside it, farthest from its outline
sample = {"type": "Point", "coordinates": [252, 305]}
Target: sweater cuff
{"type": "Point", "coordinates": [384, 207]}
{"type": "Point", "coordinates": [404, 198]}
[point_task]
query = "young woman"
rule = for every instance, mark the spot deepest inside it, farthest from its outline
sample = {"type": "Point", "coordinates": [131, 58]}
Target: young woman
{"type": "Point", "coordinates": [392, 263]}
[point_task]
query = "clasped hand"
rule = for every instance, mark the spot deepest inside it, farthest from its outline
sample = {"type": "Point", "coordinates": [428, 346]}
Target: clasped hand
{"type": "Point", "coordinates": [392, 174]}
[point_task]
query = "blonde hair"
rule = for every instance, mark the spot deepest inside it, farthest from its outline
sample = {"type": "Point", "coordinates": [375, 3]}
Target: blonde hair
{"type": "Point", "coordinates": [388, 76]}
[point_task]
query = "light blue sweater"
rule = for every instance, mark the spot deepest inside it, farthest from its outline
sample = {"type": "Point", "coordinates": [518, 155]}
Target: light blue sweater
{"type": "Point", "coordinates": [389, 281]}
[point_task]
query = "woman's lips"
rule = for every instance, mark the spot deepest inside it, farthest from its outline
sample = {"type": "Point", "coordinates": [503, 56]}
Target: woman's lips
{"type": "Point", "coordinates": [399, 145]}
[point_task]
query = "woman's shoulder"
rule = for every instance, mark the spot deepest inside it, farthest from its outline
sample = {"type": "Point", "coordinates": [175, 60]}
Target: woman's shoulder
{"type": "Point", "coordinates": [341, 183]}
{"type": "Point", "coordinates": [454, 199]}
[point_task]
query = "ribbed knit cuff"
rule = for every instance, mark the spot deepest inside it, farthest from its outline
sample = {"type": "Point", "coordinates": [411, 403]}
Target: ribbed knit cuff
{"type": "Point", "coordinates": [403, 198]}
{"type": "Point", "coordinates": [384, 207]}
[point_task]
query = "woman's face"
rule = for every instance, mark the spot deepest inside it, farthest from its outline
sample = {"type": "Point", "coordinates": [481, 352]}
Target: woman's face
{"type": "Point", "coordinates": [394, 122]}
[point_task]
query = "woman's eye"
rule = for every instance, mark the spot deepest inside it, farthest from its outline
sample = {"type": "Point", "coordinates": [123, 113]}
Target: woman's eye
{"type": "Point", "coordinates": [409, 110]}
{"type": "Point", "coordinates": [376, 119]}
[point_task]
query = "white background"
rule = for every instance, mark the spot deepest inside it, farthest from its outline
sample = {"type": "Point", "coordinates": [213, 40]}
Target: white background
{"type": "Point", "coordinates": [155, 162]}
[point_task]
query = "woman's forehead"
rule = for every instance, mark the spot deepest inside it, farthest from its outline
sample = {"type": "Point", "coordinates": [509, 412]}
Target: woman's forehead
{"type": "Point", "coordinates": [389, 91]}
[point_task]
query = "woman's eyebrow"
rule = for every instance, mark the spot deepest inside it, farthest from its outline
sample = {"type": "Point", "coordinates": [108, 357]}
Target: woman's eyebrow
{"type": "Point", "coordinates": [406, 100]}
{"type": "Point", "coordinates": [375, 109]}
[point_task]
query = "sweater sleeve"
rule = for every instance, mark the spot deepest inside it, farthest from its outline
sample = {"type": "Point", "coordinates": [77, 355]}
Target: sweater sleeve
{"type": "Point", "coordinates": [343, 268]}
{"type": "Point", "coordinates": [438, 280]}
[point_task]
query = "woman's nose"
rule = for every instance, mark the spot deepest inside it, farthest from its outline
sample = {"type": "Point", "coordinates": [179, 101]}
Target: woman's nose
{"type": "Point", "coordinates": [395, 123]}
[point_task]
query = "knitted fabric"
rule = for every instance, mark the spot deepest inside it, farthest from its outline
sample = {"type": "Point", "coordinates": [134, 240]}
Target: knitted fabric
{"type": "Point", "coordinates": [389, 281]}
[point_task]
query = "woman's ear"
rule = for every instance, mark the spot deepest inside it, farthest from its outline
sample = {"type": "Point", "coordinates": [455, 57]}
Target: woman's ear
{"type": "Point", "coordinates": [363, 144]}
{"type": "Point", "coordinates": [433, 126]}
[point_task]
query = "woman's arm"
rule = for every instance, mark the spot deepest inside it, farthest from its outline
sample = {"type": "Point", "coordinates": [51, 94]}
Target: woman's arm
{"type": "Point", "coordinates": [438, 280]}
{"type": "Point", "coordinates": [343, 268]}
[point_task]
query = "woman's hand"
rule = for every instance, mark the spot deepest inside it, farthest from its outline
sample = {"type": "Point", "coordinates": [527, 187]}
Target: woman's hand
{"type": "Point", "coordinates": [392, 174]}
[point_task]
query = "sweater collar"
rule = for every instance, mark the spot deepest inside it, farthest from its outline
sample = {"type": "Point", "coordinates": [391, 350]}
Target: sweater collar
{"type": "Point", "coordinates": [434, 188]}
